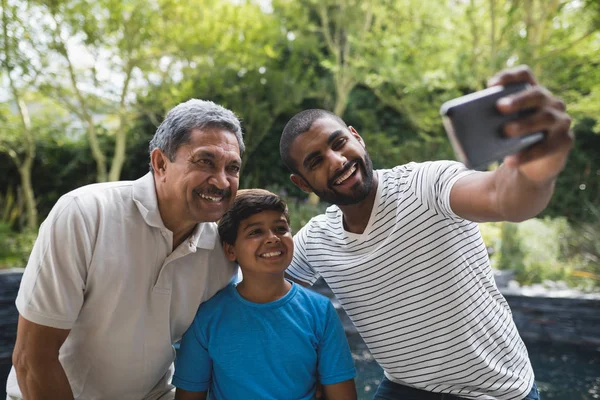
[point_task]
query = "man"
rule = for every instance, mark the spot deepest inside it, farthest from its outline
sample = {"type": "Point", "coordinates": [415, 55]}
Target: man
{"type": "Point", "coordinates": [119, 269]}
{"type": "Point", "coordinates": [402, 254]}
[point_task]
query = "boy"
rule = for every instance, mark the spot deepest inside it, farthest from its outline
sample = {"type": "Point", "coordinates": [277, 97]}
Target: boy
{"type": "Point", "coordinates": [266, 337]}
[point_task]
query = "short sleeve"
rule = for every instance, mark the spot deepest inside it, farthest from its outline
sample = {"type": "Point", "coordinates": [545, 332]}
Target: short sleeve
{"type": "Point", "coordinates": [335, 363]}
{"type": "Point", "coordinates": [193, 365]}
{"type": "Point", "coordinates": [433, 181]}
{"type": "Point", "coordinates": [300, 269]}
{"type": "Point", "coordinates": [53, 284]}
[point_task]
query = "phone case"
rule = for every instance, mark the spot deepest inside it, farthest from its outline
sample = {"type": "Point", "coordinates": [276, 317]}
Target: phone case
{"type": "Point", "coordinates": [474, 126]}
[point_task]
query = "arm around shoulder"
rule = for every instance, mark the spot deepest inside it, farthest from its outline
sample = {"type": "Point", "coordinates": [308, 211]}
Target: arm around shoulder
{"type": "Point", "coordinates": [35, 358]}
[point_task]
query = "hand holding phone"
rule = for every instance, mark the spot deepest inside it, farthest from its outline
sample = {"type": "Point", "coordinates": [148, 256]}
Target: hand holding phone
{"type": "Point", "coordinates": [474, 126]}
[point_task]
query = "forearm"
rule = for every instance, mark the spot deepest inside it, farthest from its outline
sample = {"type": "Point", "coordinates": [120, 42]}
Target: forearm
{"type": "Point", "coordinates": [43, 380]}
{"type": "Point", "coordinates": [517, 198]}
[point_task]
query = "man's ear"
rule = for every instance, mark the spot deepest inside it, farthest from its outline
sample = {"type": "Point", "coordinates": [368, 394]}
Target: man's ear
{"type": "Point", "coordinates": [357, 136]}
{"type": "Point", "coordinates": [301, 183]}
{"type": "Point", "coordinates": [229, 251]}
{"type": "Point", "coordinates": [159, 162]}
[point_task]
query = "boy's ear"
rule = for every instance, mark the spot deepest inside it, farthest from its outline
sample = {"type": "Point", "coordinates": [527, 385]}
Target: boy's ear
{"type": "Point", "coordinates": [229, 251]}
{"type": "Point", "coordinates": [301, 183]}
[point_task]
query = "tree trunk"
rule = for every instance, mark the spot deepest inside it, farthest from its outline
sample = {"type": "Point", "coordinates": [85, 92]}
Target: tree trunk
{"type": "Point", "coordinates": [118, 160]}
{"type": "Point", "coordinates": [30, 203]}
{"type": "Point", "coordinates": [24, 166]}
{"type": "Point", "coordinates": [97, 152]}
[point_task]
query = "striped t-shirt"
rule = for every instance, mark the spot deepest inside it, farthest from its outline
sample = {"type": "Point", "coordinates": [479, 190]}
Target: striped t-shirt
{"type": "Point", "coordinates": [418, 286]}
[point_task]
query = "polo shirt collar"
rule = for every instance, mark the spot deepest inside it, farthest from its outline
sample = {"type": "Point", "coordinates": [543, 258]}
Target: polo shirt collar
{"type": "Point", "coordinates": [205, 234]}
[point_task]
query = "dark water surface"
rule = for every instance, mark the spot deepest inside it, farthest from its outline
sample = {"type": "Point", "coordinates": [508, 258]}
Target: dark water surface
{"type": "Point", "coordinates": [562, 372]}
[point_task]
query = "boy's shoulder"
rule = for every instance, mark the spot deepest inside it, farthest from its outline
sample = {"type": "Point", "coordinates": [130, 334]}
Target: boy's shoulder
{"type": "Point", "coordinates": [221, 298]}
{"type": "Point", "coordinates": [312, 297]}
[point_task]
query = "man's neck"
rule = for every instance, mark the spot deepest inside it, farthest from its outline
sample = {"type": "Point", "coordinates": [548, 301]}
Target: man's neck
{"type": "Point", "coordinates": [356, 216]}
{"type": "Point", "coordinates": [180, 228]}
{"type": "Point", "coordinates": [259, 288]}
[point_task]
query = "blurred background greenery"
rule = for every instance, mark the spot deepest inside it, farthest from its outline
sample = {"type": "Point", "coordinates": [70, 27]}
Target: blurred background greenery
{"type": "Point", "coordinates": [84, 85]}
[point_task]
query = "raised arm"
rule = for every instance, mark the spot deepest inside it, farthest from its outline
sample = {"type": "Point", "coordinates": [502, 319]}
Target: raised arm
{"type": "Point", "coordinates": [523, 185]}
{"type": "Point", "coordinates": [35, 358]}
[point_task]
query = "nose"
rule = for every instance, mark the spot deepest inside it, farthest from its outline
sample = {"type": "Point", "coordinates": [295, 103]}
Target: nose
{"type": "Point", "coordinates": [337, 160]}
{"type": "Point", "coordinates": [272, 238]}
{"type": "Point", "coordinates": [219, 180]}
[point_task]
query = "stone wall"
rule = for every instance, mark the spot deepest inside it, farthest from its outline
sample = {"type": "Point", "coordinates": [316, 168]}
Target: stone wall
{"type": "Point", "coordinates": [559, 320]}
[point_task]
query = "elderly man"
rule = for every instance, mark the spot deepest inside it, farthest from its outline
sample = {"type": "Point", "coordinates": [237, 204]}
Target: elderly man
{"type": "Point", "coordinates": [119, 269]}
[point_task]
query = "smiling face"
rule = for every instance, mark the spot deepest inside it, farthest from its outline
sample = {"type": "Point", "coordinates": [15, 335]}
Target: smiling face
{"type": "Point", "coordinates": [201, 181]}
{"type": "Point", "coordinates": [332, 162]}
{"type": "Point", "coordinates": [264, 244]}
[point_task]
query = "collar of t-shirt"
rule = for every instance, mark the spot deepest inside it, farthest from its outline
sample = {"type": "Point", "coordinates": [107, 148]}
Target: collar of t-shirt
{"type": "Point", "coordinates": [144, 196]}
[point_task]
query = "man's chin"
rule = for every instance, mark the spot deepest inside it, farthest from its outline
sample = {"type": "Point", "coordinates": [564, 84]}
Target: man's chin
{"type": "Point", "coordinates": [209, 214]}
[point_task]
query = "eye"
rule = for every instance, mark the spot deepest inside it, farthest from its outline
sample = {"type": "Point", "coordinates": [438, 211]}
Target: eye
{"type": "Point", "coordinates": [255, 232]}
{"type": "Point", "coordinates": [283, 229]}
{"type": "Point", "coordinates": [315, 162]}
{"type": "Point", "coordinates": [203, 161]}
{"type": "Point", "coordinates": [234, 169]}
{"type": "Point", "coordinates": [338, 144]}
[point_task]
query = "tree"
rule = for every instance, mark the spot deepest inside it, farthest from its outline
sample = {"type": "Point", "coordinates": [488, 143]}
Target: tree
{"type": "Point", "coordinates": [115, 43]}
{"type": "Point", "coordinates": [239, 56]}
{"type": "Point", "coordinates": [347, 30]}
{"type": "Point", "coordinates": [18, 137]}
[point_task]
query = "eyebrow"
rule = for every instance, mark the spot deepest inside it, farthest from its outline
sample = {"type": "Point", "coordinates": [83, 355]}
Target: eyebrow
{"type": "Point", "coordinates": [210, 155]}
{"type": "Point", "coordinates": [204, 154]}
{"type": "Point", "coordinates": [254, 224]}
{"type": "Point", "coordinates": [334, 135]}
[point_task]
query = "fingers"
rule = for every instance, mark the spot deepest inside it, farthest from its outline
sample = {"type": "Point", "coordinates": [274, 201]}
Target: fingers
{"type": "Point", "coordinates": [553, 149]}
{"type": "Point", "coordinates": [534, 97]}
{"type": "Point", "coordinates": [546, 113]}
{"type": "Point", "coordinates": [522, 73]}
{"type": "Point", "coordinates": [546, 119]}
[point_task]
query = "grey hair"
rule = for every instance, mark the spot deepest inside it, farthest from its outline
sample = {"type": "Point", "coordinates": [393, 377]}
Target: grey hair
{"type": "Point", "coordinates": [175, 130]}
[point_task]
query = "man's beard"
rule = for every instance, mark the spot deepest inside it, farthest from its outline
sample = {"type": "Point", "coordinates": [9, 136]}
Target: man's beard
{"type": "Point", "coordinates": [360, 190]}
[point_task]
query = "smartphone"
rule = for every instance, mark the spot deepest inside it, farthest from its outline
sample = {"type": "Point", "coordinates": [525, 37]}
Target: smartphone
{"type": "Point", "coordinates": [474, 126]}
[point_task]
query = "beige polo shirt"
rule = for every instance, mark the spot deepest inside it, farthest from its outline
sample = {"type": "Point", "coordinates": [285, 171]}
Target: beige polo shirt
{"type": "Point", "coordinates": [102, 266]}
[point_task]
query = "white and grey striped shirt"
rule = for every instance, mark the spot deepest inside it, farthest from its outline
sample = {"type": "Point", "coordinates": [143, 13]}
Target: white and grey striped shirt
{"type": "Point", "coordinates": [418, 286]}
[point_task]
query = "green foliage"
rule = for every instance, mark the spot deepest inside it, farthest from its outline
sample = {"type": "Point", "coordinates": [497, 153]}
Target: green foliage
{"type": "Point", "coordinates": [387, 66]}
{"type": "Point", "coordinates": [511, 254]}
{"type": "Point", "coordinates": [584, 248]}
{"type": "Point", "coordinates": [10, 210]}
{"type": "Point", "coordinates": [14, 247]}
{"type": "Point", "coordinates": [547, 249]}
{"type": "Point", "coordinates": [302, 211]}
{"type": "Point", "coordinates": [579, 183]}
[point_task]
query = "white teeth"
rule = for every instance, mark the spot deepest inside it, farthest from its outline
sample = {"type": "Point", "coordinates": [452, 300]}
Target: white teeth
{"type": "Point", "coordinates": [346, 175]}
{"type": "Point", "coordinates": [210, 198]}
{"type": "Point", "coordinates": [272, 254]}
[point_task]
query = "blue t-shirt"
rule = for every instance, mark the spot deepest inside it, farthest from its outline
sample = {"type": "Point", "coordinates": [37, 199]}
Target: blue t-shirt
{"type": "Point", "coordinates": [278, 350]}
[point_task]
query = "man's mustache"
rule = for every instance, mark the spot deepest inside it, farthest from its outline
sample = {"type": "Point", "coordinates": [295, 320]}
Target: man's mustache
{"type": "Point", "coordinates": [214, 191]}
